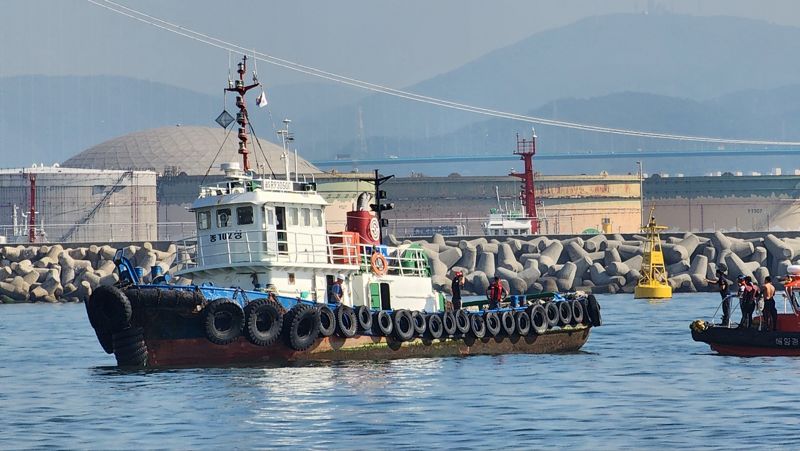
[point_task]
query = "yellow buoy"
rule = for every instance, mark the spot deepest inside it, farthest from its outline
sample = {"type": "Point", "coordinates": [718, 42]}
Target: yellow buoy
{"type": "Point", "coordinates": [653, 280]}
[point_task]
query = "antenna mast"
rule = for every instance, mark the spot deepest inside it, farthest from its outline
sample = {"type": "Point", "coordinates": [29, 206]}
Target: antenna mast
{"type": "Point", "coordinates": [241, 89]}
{"type": "Point", "coordinates": [526, 149]}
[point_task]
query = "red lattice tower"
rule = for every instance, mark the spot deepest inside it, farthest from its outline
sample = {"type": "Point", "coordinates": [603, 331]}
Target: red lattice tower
{"type": "Point", "coordinates": [240, 88]}
{"type": "Point", "coordinates": [526, 149]}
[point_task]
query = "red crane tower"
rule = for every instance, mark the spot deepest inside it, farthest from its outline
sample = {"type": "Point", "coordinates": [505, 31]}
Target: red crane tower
{"type": "Point", "coordinates": [526, 149]}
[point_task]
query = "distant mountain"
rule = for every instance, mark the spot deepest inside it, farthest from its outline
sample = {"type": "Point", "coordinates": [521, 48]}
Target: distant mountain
{"type": "Point", "coordinates": [49, 119]}
{"type": "Point", "coordinates": [690, 57]}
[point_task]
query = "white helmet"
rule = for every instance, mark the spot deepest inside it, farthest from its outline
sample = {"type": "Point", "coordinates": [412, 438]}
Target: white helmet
{"type": "Point", "coordinates": [340, 277]}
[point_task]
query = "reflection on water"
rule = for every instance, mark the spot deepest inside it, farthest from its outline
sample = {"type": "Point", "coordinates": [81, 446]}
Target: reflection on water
{"type": "Point", "coordinates": [640, 382]}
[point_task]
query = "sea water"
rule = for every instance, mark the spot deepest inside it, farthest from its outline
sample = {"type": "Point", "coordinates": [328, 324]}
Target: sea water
{"type": "Point", "coordinates": [640, 382]}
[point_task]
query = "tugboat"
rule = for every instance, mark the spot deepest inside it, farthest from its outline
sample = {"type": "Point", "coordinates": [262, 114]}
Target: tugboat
{"type": "Point", "coordinates": [269, 283]}
{"type": "Point", "coordinates": [653, 281]}
{"type": "Point", "coordinates": [757, 341]}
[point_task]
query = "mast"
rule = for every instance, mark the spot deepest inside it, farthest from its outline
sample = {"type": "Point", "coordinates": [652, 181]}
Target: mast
{"type": "Point", "coordinates": [239, 87]}
{"type": "Point", "coordinates": [526, 149]}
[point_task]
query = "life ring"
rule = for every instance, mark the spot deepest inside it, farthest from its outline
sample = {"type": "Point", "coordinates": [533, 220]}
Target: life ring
{"type": "Point", "coordinates": [403, 325]}
{"type": "Point", "coordinates": [223, 320]}
{"type": "Point", "coordinates": [364, 317]}
{"type": "Point", "coordinates": [302, 327]}
{"type": "Point", "coordinates": [263, 320]}
{"type": "Point", "coordinates": [538, 320]}
{"type": "Point", "coordinates": [109, 310]}
{"type": "Point", "coordinates": [523, 323]}
{"type": "Point", "coordinates": [492, 321]}
{"type": "Point", "coordinates": [378, 264]}
{"type": "Point", "coordinates": [435, 327]}
{"type": "Point", "coordinates": [462, 321]}
{"type": "Point", "coordinates": [346, 322]}
{"type": "Point", "coordinates": [477, 326]}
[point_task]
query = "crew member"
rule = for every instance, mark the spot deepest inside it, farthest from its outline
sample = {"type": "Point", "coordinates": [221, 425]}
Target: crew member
{"type": "Point", "coordinates": [336, 295]}
{"type": "Point", "coordinates": [495, 293]}
{"type": "Point", "coordinates": [722, 282]}
{"type": "Point", "coordinates": [748, 301]}
{"type": "Point", "coordinates": [458, 282]}
{"type": "Point", "coordinates": [770, 313]}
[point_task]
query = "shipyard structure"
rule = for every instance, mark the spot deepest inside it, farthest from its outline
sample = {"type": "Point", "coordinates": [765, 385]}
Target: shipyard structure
{"type": "Point", "coordinates": [139, 187]}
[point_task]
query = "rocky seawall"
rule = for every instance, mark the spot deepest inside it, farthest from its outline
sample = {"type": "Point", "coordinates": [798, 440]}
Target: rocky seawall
{"type": "Point", "coordinates": [604, 263]}
{"type": "Point", "coordinates": [45, 273]}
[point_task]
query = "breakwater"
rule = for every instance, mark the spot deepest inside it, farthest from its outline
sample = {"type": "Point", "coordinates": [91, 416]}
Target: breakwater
{"type": "Point", "coordinates": [605, 263]}
{"type": "Point", "coordinates": [54, 273]}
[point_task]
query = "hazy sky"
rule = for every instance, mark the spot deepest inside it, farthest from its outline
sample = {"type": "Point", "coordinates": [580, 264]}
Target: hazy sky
{"type": "Point", "coordinates": [390, 42]}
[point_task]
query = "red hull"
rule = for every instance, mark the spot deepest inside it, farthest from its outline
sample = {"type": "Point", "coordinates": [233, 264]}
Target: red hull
{"type": "Point", "coordinates": [201, 352]}
{"type": "Point", "coordinates": [750, 351]}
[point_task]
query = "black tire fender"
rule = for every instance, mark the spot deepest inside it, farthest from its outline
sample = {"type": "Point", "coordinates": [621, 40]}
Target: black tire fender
{"type": "Point", "coordinates": [508, 323]}
{"type": "Point", "coordinates": [477, 326]}
{"type": "Point", "coordinates": [492, 320]}
{"type": "Point", "coordinates": [263, 321]}
{"type": "Point", "coordinates": [301, 327]}
{"type": "Point", "coordinates": [523, 323]}
{"type": "Point", "coordinates": [223, 320]}
{"type": "Point", "coordinates": [564, 313]}
{"type": "Point", "coordinates": [382, 323]}
{"type": "Point", "coordinates": [435, 327]}
{"type": "Point", "coordinates": [364, 318]}
{"type": "Point", "coordinates": [346, 322]}
{"type": "Point", "coordinates": [538, 320]}
{"type": "Point", "coordinates": [403, 325]}
{"type": "Point", "coordinates": [109, 309]}
{"type": "Point", "coordinates": [593, 311]}
{"type": "Point", "coordinates": [327, 321]}
{"type": "Point", "coordinates": [449, 323]}
{"type": "Point", "coordinates": [130, 349]}
{"type": "Point", "coordinates": [577, 312]}
{"type": "Point", "coordinates": [551, 313]}
{"type": "Point", "coordinates": [462, 321]}
{"type": "Point", "coordinates": [420, 323]}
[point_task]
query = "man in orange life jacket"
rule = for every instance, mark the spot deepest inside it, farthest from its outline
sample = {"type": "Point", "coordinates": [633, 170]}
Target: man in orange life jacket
{"type": "Point", "coordinates": [495, 293]}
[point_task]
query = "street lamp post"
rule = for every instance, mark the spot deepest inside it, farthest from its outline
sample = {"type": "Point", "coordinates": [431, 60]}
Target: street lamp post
{"type": "Point", "coordinates": [641, 193]}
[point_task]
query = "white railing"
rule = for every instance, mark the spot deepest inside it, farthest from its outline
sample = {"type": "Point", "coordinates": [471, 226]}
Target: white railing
{"type": "Point", "coordinates": [296, 248]}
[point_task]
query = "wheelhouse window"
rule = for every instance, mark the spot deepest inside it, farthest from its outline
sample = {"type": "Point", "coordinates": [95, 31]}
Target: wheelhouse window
{"type": "Point", "coordinates": [305, 217]}
{"type": "Point", "coordinates": [316, 217]}
{"type": "Point", "coordinates": [244, 215]}
{"type": "Point", "coordinates": [223, 217]}
{"type": "Point", "coordinates": [292, 219]}
{"type": "Point", "coordinates": [203, 220]}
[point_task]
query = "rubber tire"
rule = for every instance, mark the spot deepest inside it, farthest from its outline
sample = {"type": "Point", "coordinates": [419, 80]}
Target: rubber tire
{"type": "Point", "coordinates": [104, 338]}
{"type": "Point", "coordinates": [382, 323]}
{"type": "Point", "coordinates": [492, 321]}
{"type": "Point", "coordinates": [508, 324]}
{"type": "Point", "coordinates": [435, 327]}
{"type": "Point", "coordinates": [130, 349]}
{"type": "Point", "coordinates": [403, 325]}
{"type": "Point", "coordinates": [538, 320]}
{"type": "Point", "coordinates": [256, 314]}
{"type": "Point", "coordinates": [327, 321]}
{"type": "Point", "coordinates": [364, 318]}
{"type": "Point", "coordinates": [109, 309]}
{"type": "Point", "coordinates": [593, 311]}
{"type": "Point", "coordinates": [462, 321]}
{"type": "Point", "coordinates": [477, 326]}
{"type": "Point", "coordinates": [523, 323]}
{"type": "Point", "coordinates": [223, 306]}
{"type": "Point", "coordinates": [577, 312]}
{"type": "Point", "coordinates": [420, 323]}
{"type": "Point", "coordinates": [564, 313]}
{"type": "Point", "coordinates": [346, 322]}
{"type": "Point", "coordinates": [551, 313]}
{"type": "Point", "coordinates": [301, 327]}
{"type": "Point", "coordinates": [449, 323]}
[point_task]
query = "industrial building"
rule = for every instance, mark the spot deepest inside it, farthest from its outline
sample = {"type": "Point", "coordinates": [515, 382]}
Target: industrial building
{"type": "Point", "coordinates": [57, 204]}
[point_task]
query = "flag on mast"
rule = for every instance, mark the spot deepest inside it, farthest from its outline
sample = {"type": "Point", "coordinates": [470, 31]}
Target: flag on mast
{"type": "Point", "coordinates": [261, 100]}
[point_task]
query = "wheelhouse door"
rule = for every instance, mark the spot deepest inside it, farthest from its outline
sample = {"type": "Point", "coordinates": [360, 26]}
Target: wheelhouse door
{"type": "Point", "coordinates": [270, 231]}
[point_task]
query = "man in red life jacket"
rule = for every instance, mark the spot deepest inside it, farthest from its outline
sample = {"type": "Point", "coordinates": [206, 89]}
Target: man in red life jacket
{"type": "Point", "coordinates": [495, 293]}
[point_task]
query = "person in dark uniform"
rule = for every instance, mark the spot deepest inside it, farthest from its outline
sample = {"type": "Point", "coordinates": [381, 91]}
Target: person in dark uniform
{"type": "Point", "coordinates": [748, 301]}
{"type": "Point", "coordinates": [770, 313]}
{"type": "Point", "coordinates": [458, 282]}
{"type": "Point", "coordinates": [722, 282]}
